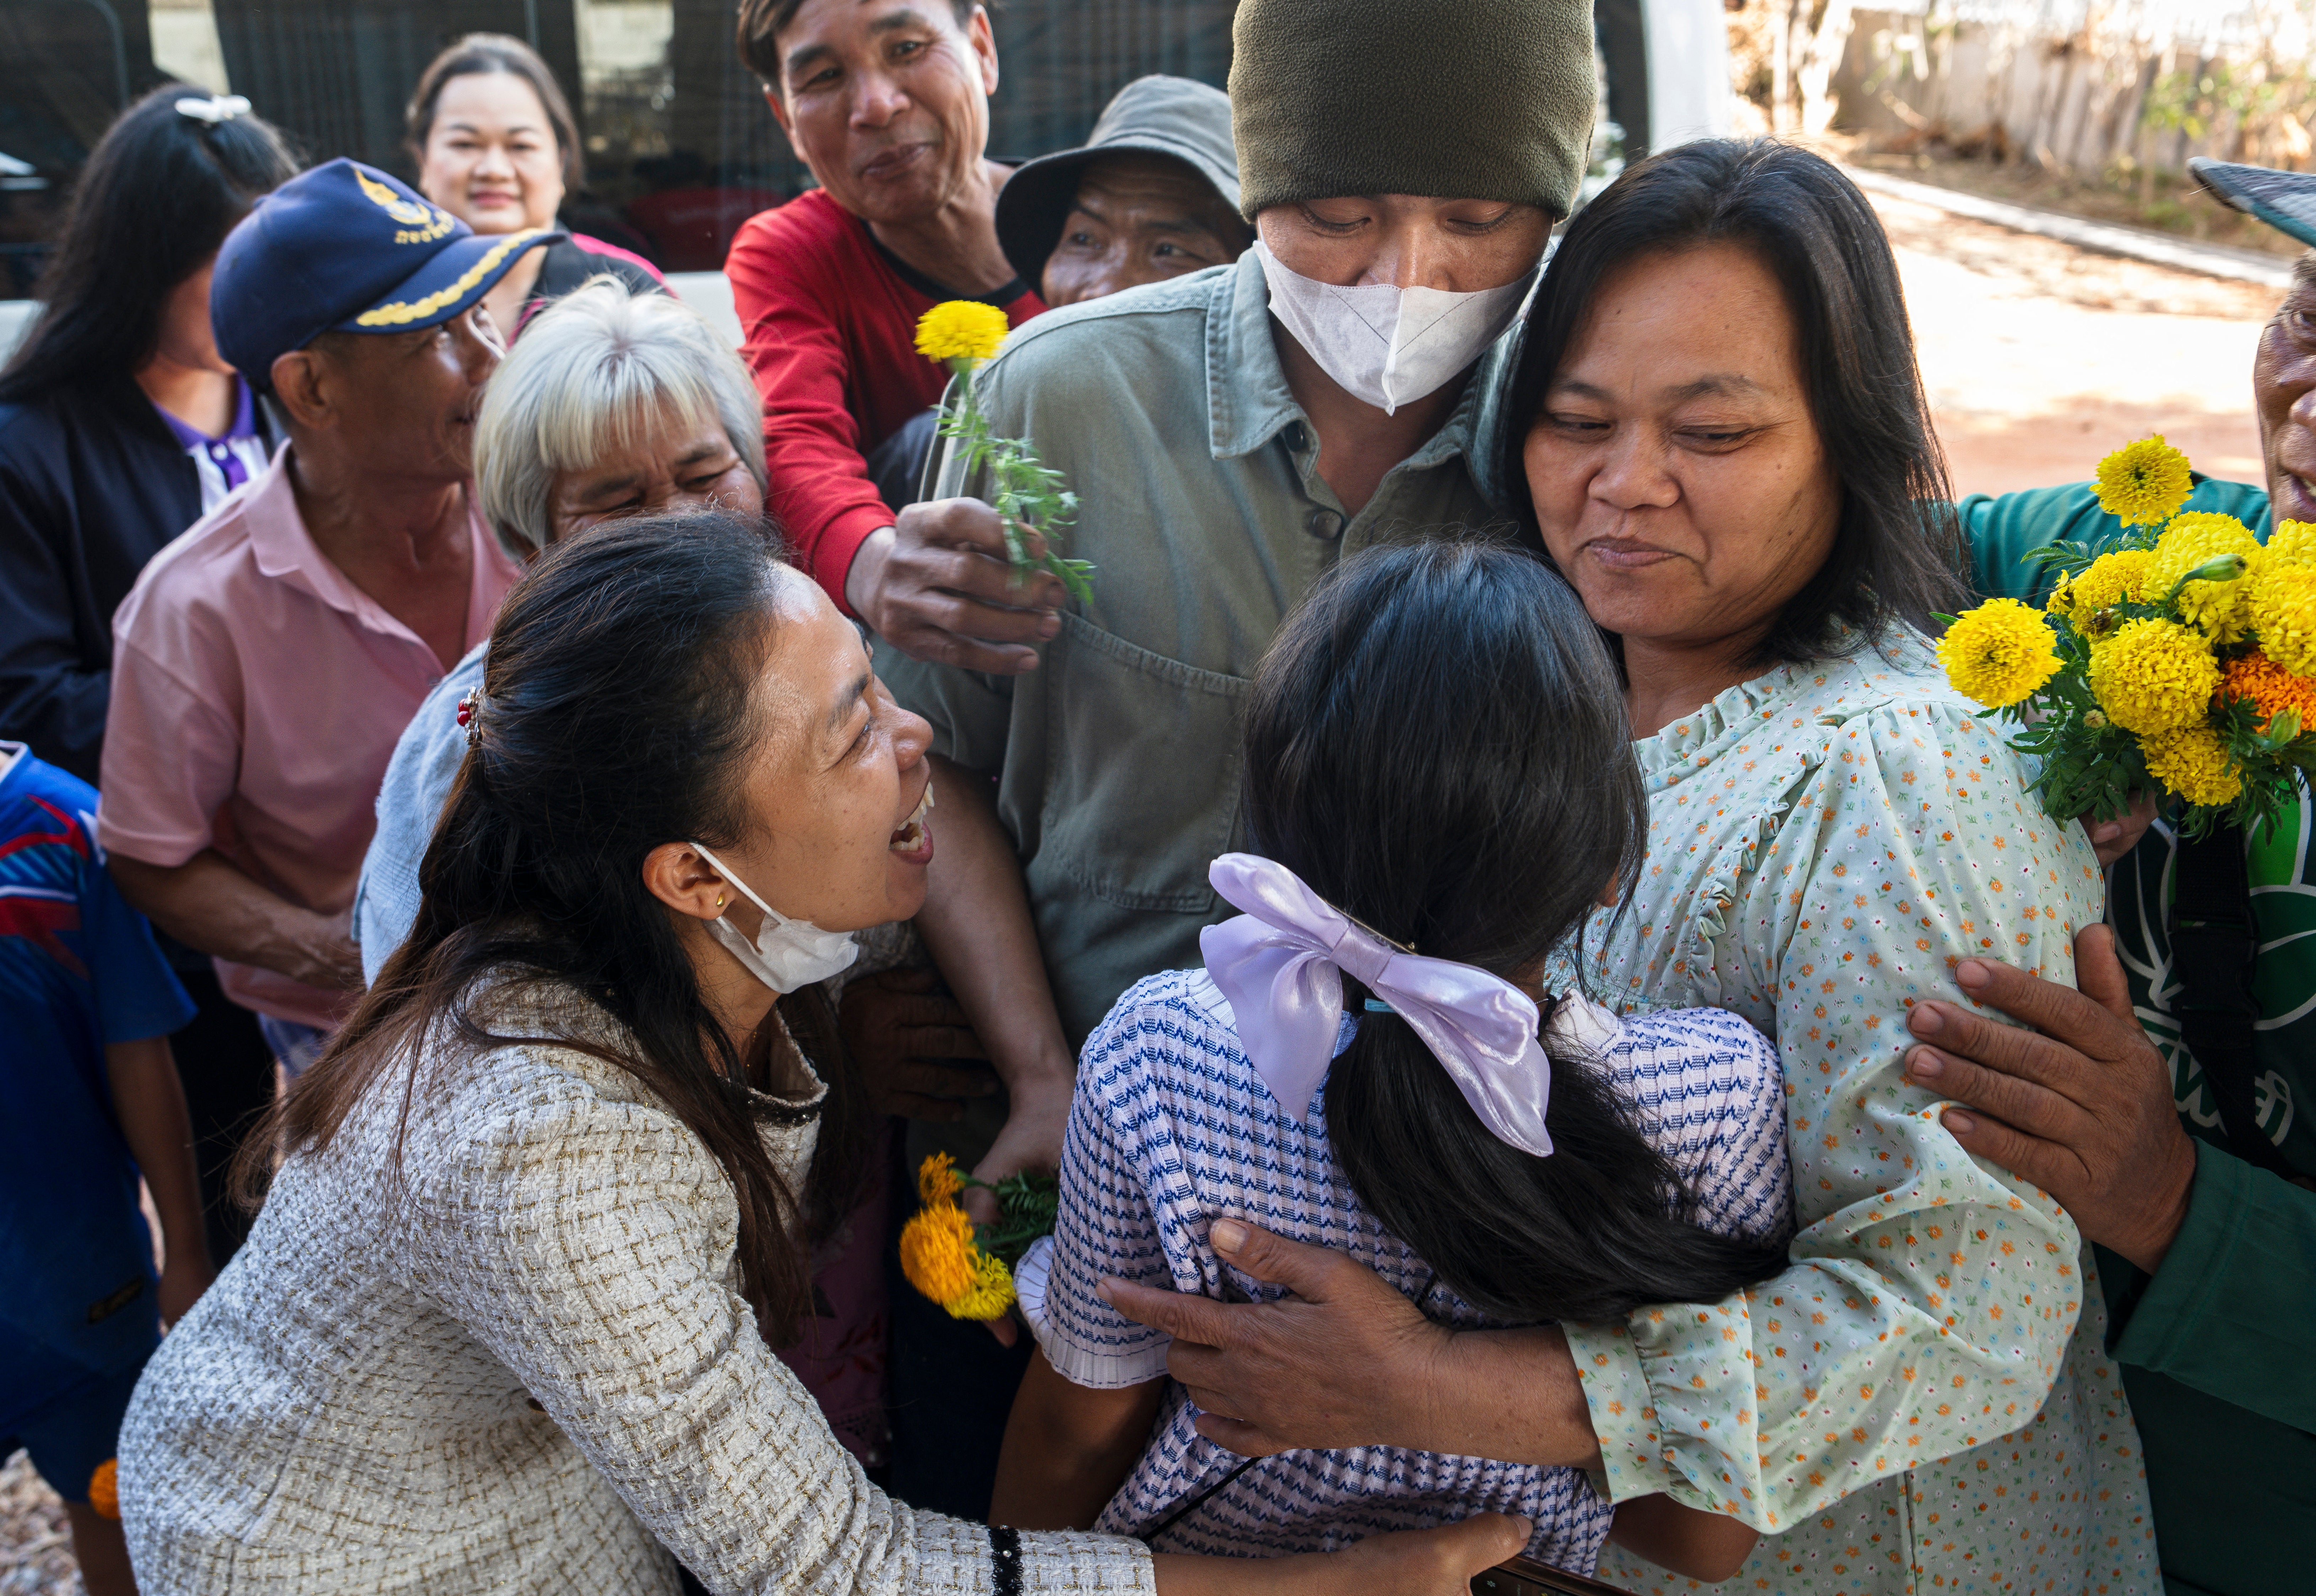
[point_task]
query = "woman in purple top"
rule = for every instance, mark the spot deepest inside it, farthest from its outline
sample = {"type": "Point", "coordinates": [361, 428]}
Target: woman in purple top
{"type": "Point", "coordinates": [498, 148]}
{"type": "Point", "coordinates": [120, 424]}
{"type": "Point", "coordinates": [120, 427]}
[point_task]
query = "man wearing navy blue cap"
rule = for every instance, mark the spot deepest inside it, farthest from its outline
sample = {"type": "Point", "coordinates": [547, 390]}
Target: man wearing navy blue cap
{"type": "Point", "coordinates": [2176, 1115]}
{"type": "Point", "coordinates": [266, 661]}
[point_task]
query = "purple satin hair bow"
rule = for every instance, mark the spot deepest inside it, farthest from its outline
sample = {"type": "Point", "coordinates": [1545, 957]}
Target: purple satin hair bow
{"type": "Point", "coordinates": [1277, 964]}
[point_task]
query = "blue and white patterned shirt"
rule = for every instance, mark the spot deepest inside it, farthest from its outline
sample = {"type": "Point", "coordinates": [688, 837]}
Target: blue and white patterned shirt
{"type": "Point", "coordinates": [1172, 1129]}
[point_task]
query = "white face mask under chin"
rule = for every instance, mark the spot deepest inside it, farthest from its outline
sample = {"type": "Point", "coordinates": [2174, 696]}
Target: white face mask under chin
{"type": "Point", "coordinates": [788, 955]}
{"type": "Point", "coordinates": [1388, 346]}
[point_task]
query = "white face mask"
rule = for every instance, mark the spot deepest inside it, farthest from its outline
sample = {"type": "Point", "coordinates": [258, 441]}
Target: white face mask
{"type": "Point", "coordinates": [788, 955]}
{"type": "Point", "coordinates": [1389, 346]}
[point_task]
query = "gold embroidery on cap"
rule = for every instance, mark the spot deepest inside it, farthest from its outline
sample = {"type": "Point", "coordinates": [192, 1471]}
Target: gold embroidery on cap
{"type": "Point", "coordinates": [395, 316]}
{"type": "Point", "coordinates": [421, 224]}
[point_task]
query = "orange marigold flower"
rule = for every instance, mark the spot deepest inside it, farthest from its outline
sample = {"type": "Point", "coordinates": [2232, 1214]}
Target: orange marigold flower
{"type": "Point", "coordinates": [2270, 687]}
{"type": "Point", "coordinates": [104, 1489]}
{"type": "Point", "coordinates": [938, 1181]}
{"type": "Point", "coordinates": [938, 1255]}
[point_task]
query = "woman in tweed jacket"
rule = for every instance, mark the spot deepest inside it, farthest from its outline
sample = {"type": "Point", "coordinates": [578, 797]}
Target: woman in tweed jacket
{"type": "Point", "coordinates": [502, 1323]}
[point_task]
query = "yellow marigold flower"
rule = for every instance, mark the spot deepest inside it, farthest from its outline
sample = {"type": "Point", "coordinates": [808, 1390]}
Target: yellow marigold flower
{"type": "Point", "coordinates": [2195, 540]}
{"type": "Point", "coordinates": [2293, 543]}
{"type": "Point", "coordinates": [938, 1254]}
{"type": "Point", "coordinates": [2109, 579]}
{"type": "Point", "coordinates": [1999, 653]}
{"type": "Point", "coordinates": [104, 1489]}
{"type": "Point", "coordinates": [2282, 608]}
{"type": "Point", "coordinates": [960, 330]}
{"type": "Point", "coordinates": [2154, 676]}
{"type": "Point", "coordinates": [2143, 484]}
{"type": "Point", "coordinates": [2271, 688]}
{"type": "Point", "coordinates": [2192, 761]}
{"type": "Point", "coordinates": [938, 1181]}
{"type": "Point", "coordinates": [939, 1259]}
{"type": "Point", "coordinates": [992, 1292]}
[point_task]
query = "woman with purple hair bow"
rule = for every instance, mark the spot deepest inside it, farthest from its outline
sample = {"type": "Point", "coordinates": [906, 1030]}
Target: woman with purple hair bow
{"type": "Point", "coordinates": [1440, 792]}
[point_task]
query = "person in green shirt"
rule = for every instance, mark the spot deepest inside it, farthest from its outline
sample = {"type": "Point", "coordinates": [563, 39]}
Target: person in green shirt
{"type": "Point", "coordinates": [2208, 1228]}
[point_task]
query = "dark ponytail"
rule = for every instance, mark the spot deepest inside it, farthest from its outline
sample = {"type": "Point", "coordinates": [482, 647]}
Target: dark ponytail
{"type": "Point", "coordinates": [620, 715]}
{"type": "Point", "coordinates": [1436, 745]}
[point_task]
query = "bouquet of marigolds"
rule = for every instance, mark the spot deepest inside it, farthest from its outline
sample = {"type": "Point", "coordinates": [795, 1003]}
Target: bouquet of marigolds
{"type": "Point", "coordinates": [966, 1269]}
{"type": "Point", "coordinates": [2180, 654]}
{"type": "Point", "coordinates": [1027, 494]}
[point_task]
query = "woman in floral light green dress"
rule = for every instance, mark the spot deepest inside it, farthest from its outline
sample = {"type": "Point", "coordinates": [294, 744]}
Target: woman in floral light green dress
{"type": "Point", "coordinates": [1720, 425]}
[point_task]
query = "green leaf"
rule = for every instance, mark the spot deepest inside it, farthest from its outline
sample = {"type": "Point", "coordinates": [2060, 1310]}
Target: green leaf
{"type": "Point", "coordinates": [1027, 1205]}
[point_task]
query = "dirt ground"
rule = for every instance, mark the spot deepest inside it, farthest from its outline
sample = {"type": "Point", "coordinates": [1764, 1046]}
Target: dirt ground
{"type": "Point", "coordinates": [2177, 205]}
{"type": "Point", "coordinates": [35, 1547]}
{"type": "Point", "coordinates": [2041, 357]}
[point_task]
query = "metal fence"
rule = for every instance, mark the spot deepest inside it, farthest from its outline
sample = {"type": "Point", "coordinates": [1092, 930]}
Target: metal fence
{"type": "Point", "coordinates": [670, 121]}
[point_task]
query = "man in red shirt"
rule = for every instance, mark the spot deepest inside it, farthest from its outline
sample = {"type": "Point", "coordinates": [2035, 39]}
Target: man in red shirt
{"type": "Point", "coordinates": [888, 102]}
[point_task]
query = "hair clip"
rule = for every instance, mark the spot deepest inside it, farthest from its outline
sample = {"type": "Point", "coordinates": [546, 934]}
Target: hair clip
{"type": "Point", "coordinates": [214, 108]}
{"type": "Point", "coordinates": [470, 716]}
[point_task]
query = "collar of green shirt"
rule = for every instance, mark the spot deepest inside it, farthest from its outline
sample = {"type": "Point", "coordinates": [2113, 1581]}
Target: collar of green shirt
{"type": "Point", "coordinates": [1249, 403]}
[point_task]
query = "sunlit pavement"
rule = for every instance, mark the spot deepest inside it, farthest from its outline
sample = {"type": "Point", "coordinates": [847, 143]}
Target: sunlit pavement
{"type": "Point", "coordinates": [2041, 357]}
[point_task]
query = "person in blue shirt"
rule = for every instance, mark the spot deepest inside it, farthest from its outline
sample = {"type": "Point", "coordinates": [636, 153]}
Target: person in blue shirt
{"type": "Point", "coordinates": [120, 427]}
{"type": "Point", "coordinates": [86, 1005]}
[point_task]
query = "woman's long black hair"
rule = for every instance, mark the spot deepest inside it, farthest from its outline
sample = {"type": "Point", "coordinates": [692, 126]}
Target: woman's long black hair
{"type": "Point", "coordinates": [159, 192]}
{"type": "Point", "coordinates": [620, 715]}
{"type": "Point", "coordinates": [1437, 743]}
{"type": "Point", "coordinates": [1898, 549]}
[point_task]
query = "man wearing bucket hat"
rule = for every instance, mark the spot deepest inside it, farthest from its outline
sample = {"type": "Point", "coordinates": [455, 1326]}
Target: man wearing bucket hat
{"type": "Point", "coordinates": [2167, 1103]}
{"type": "Point", "coordinates": [1152, 194]}
{"type": "Point", "coordinates": [267, 660]}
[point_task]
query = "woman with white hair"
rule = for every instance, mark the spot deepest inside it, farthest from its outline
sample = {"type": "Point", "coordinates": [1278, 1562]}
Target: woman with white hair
{"type": "Point", "coordinates": [615, 403]}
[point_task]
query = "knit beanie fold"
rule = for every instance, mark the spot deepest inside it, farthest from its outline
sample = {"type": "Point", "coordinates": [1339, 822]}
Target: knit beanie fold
{"type": "Point", "coordinates": [1454, 98]}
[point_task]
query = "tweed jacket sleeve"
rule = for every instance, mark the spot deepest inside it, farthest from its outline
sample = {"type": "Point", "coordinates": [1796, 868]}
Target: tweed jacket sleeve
{"type": "Point", "coordinates": [589, 1245]}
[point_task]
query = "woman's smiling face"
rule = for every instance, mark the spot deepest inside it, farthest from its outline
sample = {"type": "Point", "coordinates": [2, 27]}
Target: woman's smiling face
{"type": "Point", "coordinates": [1679, 477]}
{"type": "Point", "coordinates": [491, 158]}
{"type": "Point", "coordinates": [837, 832]}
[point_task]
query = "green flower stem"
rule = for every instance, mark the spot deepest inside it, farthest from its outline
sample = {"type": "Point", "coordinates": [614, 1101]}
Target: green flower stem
{"type": "Point", "coordinates": [1027, 494]}
{"type": "Point", "coordinates": [2220, 567]}
{"type": "Point", "coordinates": [1027, 1206]}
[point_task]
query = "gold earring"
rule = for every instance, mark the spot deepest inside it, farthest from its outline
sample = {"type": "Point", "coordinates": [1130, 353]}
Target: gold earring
{"type": "Point", "coordinates": [719, 900]}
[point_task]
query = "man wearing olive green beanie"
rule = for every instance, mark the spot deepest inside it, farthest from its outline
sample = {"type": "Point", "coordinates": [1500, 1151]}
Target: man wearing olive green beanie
{"type": "Point", "coordinates": [1486, 99]}
{"type": "Point", "coordinates": [1220, 466]}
